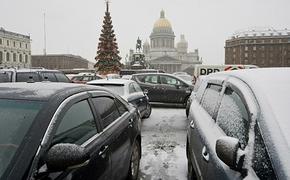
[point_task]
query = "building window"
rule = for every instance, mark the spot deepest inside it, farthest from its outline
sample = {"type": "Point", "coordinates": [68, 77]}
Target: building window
{"type": "Point", "coordinates": [262, 48]}
{"type": "Point", "coordinates": [254, 48]}
{"type": "Point", "coordinates": [7, 42]}
{"type": "Point", "coordinates": [246, 55]}
{"type": "Point", "coordinates": [14, 44]}
{"type": "Point", "coordinates": [20, 45]}
{"type": "Point", "coordinates": [20, 57]}
{"type": "Point", "coordinates": [234, 49]}
{"type": "Point", "coordinates": [246, 48]}
{"type": "Point", "coordinates": [14, 57]}
{"type": "Point", "coordinates": [26, 46]}
{"type": "Point", "coordinates": [7, 56]}
{"type": "Point", "coordinates": [0, 41]}
{"type": "Point", "coordinates": [1, 57]}
{"type": "Point", "coordinates": [26, 58]}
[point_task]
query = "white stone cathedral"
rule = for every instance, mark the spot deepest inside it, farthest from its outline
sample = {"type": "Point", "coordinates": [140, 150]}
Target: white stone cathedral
{"type": "Point", "coordinates": [162, 53]}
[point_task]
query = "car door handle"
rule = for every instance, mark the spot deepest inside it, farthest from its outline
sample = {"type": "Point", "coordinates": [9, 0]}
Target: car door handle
{"type": "Point", "coordinates": [192, 124]}
{"type": "Point", "coordinates": [205, 154]}
{"type": "Point", "coordinates": [103, 151]}
{"type": "Point", "coordinates": [131, 122]}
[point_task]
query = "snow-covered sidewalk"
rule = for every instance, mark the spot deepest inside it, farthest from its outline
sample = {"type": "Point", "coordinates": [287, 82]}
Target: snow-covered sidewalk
{"type": "Point", "coordinates": [163, 145]}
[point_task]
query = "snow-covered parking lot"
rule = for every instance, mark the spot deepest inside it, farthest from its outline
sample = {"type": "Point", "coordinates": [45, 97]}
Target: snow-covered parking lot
{"type": "Point", "coordinates": [163, 145]}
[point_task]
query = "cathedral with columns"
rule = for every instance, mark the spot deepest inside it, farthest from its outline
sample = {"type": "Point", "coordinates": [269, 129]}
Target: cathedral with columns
{"type": "Point", "coordinates": [162, 52]}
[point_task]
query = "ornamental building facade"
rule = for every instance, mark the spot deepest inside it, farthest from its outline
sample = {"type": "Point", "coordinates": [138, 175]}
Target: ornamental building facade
{"type": "Point", "coordinates": [15, 50]}
{"type": "Point", "coordinates": [162, 52]}
{"type": "Point", "coordinates": [264, 47]}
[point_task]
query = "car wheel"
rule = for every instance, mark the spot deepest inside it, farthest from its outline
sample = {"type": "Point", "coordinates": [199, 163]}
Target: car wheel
{"type": "Point", "coordinates": [134, 162]}
{"type": "Point", "coordinates": [148, 111]}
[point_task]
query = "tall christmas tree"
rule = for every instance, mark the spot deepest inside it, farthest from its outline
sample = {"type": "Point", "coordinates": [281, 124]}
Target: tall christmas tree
{"type": "Point", "coordinates": [108, 60]}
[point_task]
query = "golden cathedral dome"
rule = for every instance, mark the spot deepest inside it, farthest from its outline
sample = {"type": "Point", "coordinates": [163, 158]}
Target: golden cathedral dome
{"type": "Point", "coordinates": [162, 22]}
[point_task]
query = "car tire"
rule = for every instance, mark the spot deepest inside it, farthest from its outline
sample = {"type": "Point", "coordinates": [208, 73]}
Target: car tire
{"type": "Point", "coordinates": [148, 111]}
{"type": "Point", "coordinates": [134, 161]}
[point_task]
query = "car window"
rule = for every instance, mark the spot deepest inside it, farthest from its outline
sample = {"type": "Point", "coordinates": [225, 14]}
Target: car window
{"type": "Point", "coordinates": [121, 107]}
{"type": "Point", "coordinates": [27, 76]}
{"type": "Point", "coordinates": [77, 125]}
{"type": "Point", "coordinates": [5, 77]}
{"type": "Point", "coordinates": [169, 80]}
{"type": "Point", "coordinates": [107, 109]}
{"type": "Point", "coordinates": [210, 99]}
{"type": "Point", "coordinates": [152, 79]}
{"type": "Point", "coordinates": [132, 88]}
{"type": "Point", "coordinates": [137, 87]}
{"type": "Point", "coordinates": [61, 77]}
{"type": "Point", "coordinates": [233, 117]}
{"type": "Point", "coordinates": [48, 76]}
{"type": "Point", "coordinates": [261, 161]}
{"type": "Point", "coordinates": [86, 78]}
{"type": "Point", "coordinates": [77, 78]}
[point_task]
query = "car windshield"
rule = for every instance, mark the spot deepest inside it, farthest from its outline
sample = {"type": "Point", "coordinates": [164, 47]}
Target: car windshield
{"type": "Point", "coordinates": [16, 119]}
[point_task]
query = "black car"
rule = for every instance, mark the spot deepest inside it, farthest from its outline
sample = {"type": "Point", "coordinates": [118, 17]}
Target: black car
{"type": "Point", "coordinates": [130, 91]}
{"type": "Point", "coordinates": [32, 75]}
{"type": "Point", "coordinates": [67, 131]}
{"type": "Point", "coordinates": [164, 88]}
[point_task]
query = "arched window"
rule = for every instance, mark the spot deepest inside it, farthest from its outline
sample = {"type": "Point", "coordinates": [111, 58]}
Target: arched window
{"type": "Point", "coordinates": [7, 56]}
{"type": "Point", "coordinates": [14, 57]}
{"type": "Point", "coordinates": [20, 57]}
{"type": "Point", "coordinates": [26, 58]}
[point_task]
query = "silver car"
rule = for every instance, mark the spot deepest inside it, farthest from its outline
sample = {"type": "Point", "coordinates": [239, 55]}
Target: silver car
{"type": "Point", "coordinates": [239, 126]}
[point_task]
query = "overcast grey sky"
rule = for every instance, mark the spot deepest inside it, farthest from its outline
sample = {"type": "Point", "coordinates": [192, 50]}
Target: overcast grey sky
{"type": "Point", "coordinates": [74, 26]}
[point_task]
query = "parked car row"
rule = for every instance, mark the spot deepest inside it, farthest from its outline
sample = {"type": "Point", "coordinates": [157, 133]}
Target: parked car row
{"type": "Point", "coordinates": [239, 125]}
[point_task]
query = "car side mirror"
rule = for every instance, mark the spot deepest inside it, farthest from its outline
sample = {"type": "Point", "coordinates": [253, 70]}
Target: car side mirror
{"type": "Point", "coordinates": [66, 156]}
{"type": "Point", "coordinates": [228, 150]}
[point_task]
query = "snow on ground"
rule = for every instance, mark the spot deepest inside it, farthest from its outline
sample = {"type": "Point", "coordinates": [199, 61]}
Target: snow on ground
{"type": "Point", "coordinates": [163, 145]}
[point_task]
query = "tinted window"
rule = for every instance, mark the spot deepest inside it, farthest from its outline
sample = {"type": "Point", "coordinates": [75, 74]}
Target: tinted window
{"type": "Point", "coordinates": [61, 77]}
{"type": "Point", "coordinates": [233, 117]}
{"type": "Point", "coordinates": [107, 109]}
{"type": "Point", "coordinates": [47, 76]}
{"type": "Point", "coordinates": [121, 107]}
{"type": "Point", "coordinates": [261, 161]}
{"type": "Point", "coordinates": [27, 76]}
{"type": "Point", "coordinates": [77, 125]}
{"type": "Point", "coordinates": [210, 99]}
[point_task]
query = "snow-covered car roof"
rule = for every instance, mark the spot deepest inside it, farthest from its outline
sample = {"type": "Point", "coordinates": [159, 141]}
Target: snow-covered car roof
{"type": "Point", "coordinates": [40, 90]}
{"type": "Point", "coordinates": [111, 81]}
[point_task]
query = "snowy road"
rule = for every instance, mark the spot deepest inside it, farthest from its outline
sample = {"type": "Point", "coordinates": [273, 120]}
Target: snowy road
{"type": "Point", "coordinates": [163, 145]}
